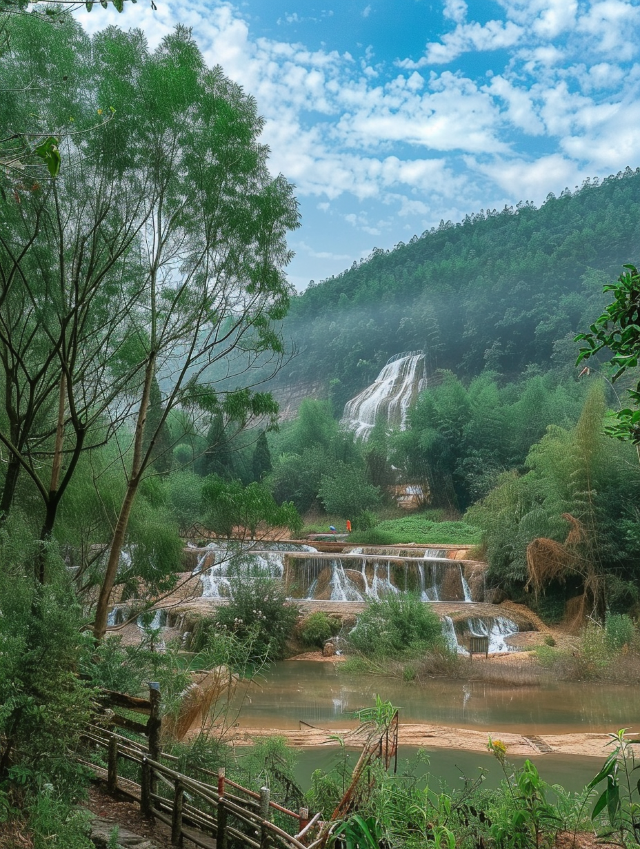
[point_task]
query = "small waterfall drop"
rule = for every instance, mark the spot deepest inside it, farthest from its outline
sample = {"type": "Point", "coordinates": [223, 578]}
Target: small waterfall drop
{"type": "Point", "coordinates": [449, 633]}
{"type": "Point", "coordinates": [465, 586]}
{"type": "Point", "coordinates": [391, 394]}
{"type": "Point", "coordinates": [234, 562]}
{"type": "Point", "coordinates": [498, 630]}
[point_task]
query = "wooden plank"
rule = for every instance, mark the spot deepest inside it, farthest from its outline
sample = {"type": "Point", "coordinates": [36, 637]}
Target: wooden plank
{"type": "Point", "coordinates": [129, 724]}
{"type": "Point", "coordinates": [114, 699]}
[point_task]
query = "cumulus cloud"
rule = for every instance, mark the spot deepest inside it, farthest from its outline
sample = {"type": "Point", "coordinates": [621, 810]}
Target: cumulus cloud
{"type": "Point", "coordinates": [367, 141]}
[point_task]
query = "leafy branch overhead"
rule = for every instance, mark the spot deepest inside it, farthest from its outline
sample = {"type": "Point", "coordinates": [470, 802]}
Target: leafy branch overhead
{"type": "Point", "coordinates": [618, 329]}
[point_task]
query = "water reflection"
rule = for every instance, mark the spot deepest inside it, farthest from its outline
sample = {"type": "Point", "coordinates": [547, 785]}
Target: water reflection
{"type": "Point", "coordinates": [318, 694]}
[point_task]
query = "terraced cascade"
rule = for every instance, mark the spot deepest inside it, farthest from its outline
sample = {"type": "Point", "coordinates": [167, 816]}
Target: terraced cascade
{"type": "Point", "coordinates": [363, 574]}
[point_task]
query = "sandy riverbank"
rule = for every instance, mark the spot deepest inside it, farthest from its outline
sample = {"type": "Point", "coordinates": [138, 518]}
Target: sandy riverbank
{"type": "Point", "coordinates": [442, 737]}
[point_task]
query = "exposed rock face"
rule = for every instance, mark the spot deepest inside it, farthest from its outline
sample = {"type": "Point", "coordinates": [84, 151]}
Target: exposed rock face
{"type": "Point", "coordinates": [290, 397]}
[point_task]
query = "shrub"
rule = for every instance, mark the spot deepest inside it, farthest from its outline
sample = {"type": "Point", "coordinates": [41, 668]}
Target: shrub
{"type": "Point", "coordinates": [318, 628]}
{"type": "Point", "coordinates": [346, 492]}
{"type": "Point", "coordinates": [619, 630]}
{"type": "Point", "coordinates": [549, 640]}
{"type": "Point", "coordinates": [259, 607]}
{"type": "Point", "coordinates": [397, 625]}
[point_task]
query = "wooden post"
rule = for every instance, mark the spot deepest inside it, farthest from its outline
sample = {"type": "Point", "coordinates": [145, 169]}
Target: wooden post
{"type": "Point", "coordinates": [176, 817]}
{"type": "Point", "coordinates": [112, 765]}
{"type": "Point", "coordinates": [145, 789]}
{"type": "Point", "coordinates": [154, 725]}
{"type": "Point", "coordinates": [304, 822]}
{"type": "Point", "coordinates": [265, 815]}
{"type": "Point", "coordinates": [221, 834]}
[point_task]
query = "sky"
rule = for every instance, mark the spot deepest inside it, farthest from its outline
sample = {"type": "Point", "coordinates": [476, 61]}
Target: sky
{"type": "Point", "coordinates": [391, 115]}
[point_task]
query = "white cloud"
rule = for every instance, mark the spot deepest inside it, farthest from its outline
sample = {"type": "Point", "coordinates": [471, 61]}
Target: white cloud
{"type": "Point", "coordinates": [455, 10]}
{"type": "Point", "coordinates": [369, 143]}
{"type": "Point", "coordinates": [521, 111]}
{"type": "Point", "coordinates": [531, 180]}
{"type": "Point", "coordinates": [494, 35]}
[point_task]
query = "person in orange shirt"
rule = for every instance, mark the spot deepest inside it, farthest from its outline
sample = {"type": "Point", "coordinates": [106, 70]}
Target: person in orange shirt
{"type": "Point", "coordinates": [348, 526]}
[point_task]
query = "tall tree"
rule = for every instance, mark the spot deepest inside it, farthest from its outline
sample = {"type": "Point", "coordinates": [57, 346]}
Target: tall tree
{"type": "Point", "coordinates": [214, 249]}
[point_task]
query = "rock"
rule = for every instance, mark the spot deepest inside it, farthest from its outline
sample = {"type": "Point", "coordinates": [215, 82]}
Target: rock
{"type": "Point", "coordinates": [328, 649]}
{"type": "Point", "coordinates": [101, 831]}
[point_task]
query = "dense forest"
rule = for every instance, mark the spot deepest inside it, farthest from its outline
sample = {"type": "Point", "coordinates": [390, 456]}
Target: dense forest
{"type": "Point", "coordinates": [503, 291]}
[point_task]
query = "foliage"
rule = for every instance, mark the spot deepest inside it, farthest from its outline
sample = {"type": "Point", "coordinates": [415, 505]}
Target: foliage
{"type": "Point", "coordinates": [229, 504]}
{"type": "Point", "coordinates": [618, 329]}
{"type": "Point", "coordinates": [499, 291]}
{"type": "Point", "coordinates": [577, 473]}
{"type": "Point", "coordinates": [418, 528]}
{"type": "Point", "coordinates": [259, 603]}
{"type": "Point", "coordinates": [620, 631]}
{"type": "Point", "coordinates": [345, 491]}
{"type": "Point", "coordinates": [318, 628]}
{"type": "Point", "coordinates": [526, 818]}
{"type": "Point", "coordinates": [398, 625]}
{"type": "Point", "coordinates": [621, 797]}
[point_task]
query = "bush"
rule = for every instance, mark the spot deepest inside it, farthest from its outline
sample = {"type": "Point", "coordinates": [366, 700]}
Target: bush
{"type": "Point", "coordinates": [398, 625]}
{"type": "Point", "coordinates": [259, 607]}
{"type": "Point", "coordinates": [619, 630]}
{"type": "Point", "coordinates": [549, 640]}
{"type": "Point", "coordinates": [318, 628]}
{"type": "Point", "coordinates": [346, 492]}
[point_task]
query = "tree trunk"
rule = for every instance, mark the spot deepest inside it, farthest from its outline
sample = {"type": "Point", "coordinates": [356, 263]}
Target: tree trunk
{"type": "Point", "coordinates": [137, 469]}
{"type": "Point", "coordinates": [10, 483]}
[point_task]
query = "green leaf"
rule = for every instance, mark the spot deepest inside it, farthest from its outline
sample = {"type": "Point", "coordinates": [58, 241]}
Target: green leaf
{"type": "Point", "coordinates": [600, 804]}
{"type": "Point", "coordinates": [89, 5]}
{"type": "Point", "coordinates": [613, 799]}
{"type": "Point", "coordinates": [607, 769]}
{"type": "Point", "coordinates": [119, 4]}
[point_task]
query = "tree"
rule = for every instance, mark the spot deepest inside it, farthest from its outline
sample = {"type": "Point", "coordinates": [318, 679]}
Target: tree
{"type": "Point", "coordinates": [214, 249]}
{"type": "Point", "coordinates": [261, 460]}
{"type": "Point", "coordinates": [618, 329]}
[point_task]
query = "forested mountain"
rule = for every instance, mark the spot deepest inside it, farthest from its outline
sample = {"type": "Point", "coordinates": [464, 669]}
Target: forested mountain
{"type": "Point", "coordinates": [499, 290]}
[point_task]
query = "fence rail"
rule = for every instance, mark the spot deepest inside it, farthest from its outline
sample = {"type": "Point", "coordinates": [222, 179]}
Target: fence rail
{"type": "Point", "coordinates": [181, 811]}
{"type": "Point", "coordinates": [199, 811]}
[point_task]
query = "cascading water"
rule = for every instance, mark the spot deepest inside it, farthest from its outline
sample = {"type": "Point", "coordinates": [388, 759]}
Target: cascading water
{"type": "Point", "coordinates": [465, 586]}
{"type": "Point", "coordinates": [395, 388]}
{"type": "Point", "coordinates": [233, 562]}
{"type": "Point", "coordinates": [499, 629]}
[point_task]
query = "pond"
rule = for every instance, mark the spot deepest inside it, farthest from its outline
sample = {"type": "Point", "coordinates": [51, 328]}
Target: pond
{"type": "Point", "coordinates": [320, 694]}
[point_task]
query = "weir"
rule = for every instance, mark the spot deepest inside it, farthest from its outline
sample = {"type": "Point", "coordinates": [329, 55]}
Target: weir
{"type": "Point", "coordinates": [355, 576]}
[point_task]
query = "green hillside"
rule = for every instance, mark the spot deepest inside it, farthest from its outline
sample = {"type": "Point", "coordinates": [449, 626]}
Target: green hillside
{"type": "Point", "coordinates": [501, 290]}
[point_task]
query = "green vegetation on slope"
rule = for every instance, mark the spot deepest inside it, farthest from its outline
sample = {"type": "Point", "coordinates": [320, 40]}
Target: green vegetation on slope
{"type": "Point", "coordinates": [501, 290]}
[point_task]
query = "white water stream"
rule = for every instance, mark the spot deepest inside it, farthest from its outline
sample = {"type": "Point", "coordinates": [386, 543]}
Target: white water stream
{"type": "Point", "coordinates": [391, 394]}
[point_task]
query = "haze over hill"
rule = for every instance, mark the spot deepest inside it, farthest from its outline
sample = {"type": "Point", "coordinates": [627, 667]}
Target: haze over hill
{"type": "Point", "coordinates": [501, 290]}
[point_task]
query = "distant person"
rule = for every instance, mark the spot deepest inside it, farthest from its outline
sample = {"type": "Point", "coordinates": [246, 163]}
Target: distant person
{"type": "Point", "coordinates": [348, 526]}
{"type": "Point", "coordinates": [332, 529]}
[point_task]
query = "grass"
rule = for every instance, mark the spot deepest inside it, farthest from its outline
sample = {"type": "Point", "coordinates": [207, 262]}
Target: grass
{"type": "Point", "coordinates": [421, 528]}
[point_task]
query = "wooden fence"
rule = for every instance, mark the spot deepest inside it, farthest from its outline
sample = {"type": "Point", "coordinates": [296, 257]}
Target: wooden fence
{"type": "Point", "coordinates": [199, 810]}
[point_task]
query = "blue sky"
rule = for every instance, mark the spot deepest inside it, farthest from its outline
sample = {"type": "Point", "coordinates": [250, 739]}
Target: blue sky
{"type": "Point", "coordinates": [390, 115]}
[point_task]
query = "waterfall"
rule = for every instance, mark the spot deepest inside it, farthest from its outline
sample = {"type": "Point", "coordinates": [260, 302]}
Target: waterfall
{"type": "Point", "coordinates": [395, 388]}
{"type": "Point", "coordinates": [465, 586]}
{"type": "Point", "coordinates": [500, 628]}
{"type": "Point", "coordinates": [159, 620]}
{"type": "Point", "coordinates": [342, 587]}
{"type": "Point", "coordinates": [230, 561]}
{"type": "Point", "coordinates": [449, 633]}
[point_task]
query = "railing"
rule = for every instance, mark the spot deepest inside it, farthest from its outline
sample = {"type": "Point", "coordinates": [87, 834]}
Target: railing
{"type": "Point", "coordinates": [195, 810]}
{"type": "Point", "coordinates": [224, 813]}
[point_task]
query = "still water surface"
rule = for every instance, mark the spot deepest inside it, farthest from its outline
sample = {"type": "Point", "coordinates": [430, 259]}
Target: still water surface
{"type": "Point", "coordinates": [319, 694]}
